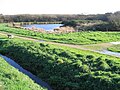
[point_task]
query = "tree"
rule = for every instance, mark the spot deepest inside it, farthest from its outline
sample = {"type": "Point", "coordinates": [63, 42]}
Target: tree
{"type": "Point", "coordinates": [114, 20]}
{"type": "Point", "coordinates": [1, 18]}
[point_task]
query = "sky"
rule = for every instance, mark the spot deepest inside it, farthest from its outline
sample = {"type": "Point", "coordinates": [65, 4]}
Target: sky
{"type": "Point", "coordinates": [58, 6]}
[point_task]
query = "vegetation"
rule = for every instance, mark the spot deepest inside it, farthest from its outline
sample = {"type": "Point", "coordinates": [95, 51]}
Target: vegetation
{"type": "Point", "coordinates": [115, 48]}
{"type": "Point", "coordinates": [88, 25]}
{"type": "Point", "coordinates": [109, 22]}
{"type": "Point", "coordinates": [72, 38]}
{"type": "Point", "coordinates": [49, 17]}
{"type": "Point", "coordinates": [65, 68]}
{"type": "Point", "coordinates": [114, 20]}
{"type": "Point", "coordinates": [12, 79]}
{"type": "Point", "coordinates": [85, 37]}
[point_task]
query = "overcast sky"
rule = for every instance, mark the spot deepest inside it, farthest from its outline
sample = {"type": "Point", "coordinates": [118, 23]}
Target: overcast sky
{"type": "Point", "coordinates": [58, 6]}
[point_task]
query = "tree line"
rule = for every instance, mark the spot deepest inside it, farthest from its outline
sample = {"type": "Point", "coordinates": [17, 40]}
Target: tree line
{"type": "Point", "coordinates": [100, 22]}
{"type": "Point", "coordinates": [50, 17]}
{"type": "Point", "coordinates": [112, 19]}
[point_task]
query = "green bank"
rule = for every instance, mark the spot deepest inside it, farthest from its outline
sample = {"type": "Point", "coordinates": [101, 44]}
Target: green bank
{"type": "Point", "coordinates": [12, 79]}
{"type": "Point", "coordinates": [64, 67]}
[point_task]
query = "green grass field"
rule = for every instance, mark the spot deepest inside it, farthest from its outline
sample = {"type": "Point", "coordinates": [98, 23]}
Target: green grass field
{"type": "Point", "coordinates": [12, 79]}
{"type": "Point", "coordinates": [71, 38]}
{"type": "Point", "coordinates": [64, 67]}
{"type": "Point", "coordinates": [115, 48]}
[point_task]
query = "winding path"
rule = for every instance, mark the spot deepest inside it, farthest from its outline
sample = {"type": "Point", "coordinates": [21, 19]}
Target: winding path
{"type": "Point", "coordinates": [99, 48]}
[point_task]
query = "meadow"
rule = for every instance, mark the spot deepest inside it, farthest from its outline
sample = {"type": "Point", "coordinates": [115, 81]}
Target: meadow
{"type": "Point", "coordinates": [12, 79]}
{"type": "Point", "coordinates": [85, 37]}
{"type": "Point", "coordinates": [64, 67]}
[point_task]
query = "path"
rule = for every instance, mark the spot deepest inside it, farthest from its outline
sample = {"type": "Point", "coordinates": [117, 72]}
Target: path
{"type": "Point", "coordinates": [99, 48]}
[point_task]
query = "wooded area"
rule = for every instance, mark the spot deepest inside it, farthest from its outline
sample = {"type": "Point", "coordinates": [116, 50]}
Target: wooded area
{"type": "Point", "coordinates": [109, 21]}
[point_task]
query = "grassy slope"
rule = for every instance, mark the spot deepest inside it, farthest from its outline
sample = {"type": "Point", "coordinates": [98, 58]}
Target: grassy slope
{"type": "Point", "coordinates": [72, 38]}
{"type": "Point", "coordinates": [12, 79]}
{"type": "Point", "coordinates": [115, 48]}
{"type": "Point", "coordinates": [64, 67]}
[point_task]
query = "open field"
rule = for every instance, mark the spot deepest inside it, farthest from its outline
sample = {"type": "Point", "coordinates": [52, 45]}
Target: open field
{"type": "Point", "coordinates": [12, 79]}
{"type": "Point", "coordinates": [64, 67]}
{"type": "Point", "coordinates": [71, 38]}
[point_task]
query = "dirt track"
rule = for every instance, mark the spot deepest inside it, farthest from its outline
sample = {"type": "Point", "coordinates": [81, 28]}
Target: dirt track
{"type": "Point", "coordinates": [92, 47]}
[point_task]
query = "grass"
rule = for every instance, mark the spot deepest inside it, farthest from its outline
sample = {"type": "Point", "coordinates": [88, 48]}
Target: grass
{"type": "Point", "coordinates": [97, 47]}
{"type": "Point", "coordinates": [12, 79]}
{"type": "Point", "coordinates": [70, 38]}
{"type": "Point", "coordinates": [65, 67]}
{"type": "Point", "coordinates": [115, 48]}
